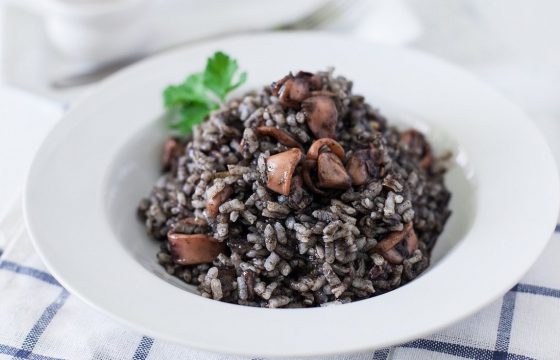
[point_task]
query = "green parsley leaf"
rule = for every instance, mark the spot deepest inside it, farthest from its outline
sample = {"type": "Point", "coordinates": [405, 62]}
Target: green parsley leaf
{"type": "Point", "coordinates": [219, 73]}
{"type": "Point", "coordinates": [192, 115]}
{"type": "Point", "coordinates": [190, 91]}
{"type": "Point", "coordinates": [190, 102]}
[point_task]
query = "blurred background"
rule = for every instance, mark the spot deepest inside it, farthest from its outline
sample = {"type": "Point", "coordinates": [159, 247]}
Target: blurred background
{"type": "Point", "coordinates": [52, 52]}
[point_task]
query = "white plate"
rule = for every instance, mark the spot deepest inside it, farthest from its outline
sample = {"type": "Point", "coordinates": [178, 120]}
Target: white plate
{"type": "Point", "coordinates": [88, 176]}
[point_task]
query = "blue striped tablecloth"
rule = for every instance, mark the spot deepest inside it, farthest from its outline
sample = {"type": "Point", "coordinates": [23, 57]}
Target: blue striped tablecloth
{"type": "Point", "coordinates": [40, 320]}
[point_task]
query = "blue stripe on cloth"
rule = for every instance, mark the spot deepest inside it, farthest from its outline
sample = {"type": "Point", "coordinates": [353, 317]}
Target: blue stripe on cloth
{"type": "Point", "coordinates": [41, 324]}
{"type": "Point", "coordinates": [557, 228]}
{"type": "Point", "coordinates": [143, 348]}
{"type": "Point", "coordinates": [24, 270]}
{"type": "Point", "coordinates": [381, 354]}
{"type": "Point", "coordinates": [10, 350]}
{"type": "Point", "coordinates": [537, 290]}
{"type": "Point", "coordinates": [504, 325]}
{"type": "Point", "coordinates": [468, 352]}
{"type": "Point", "coordinates": [518, 357]}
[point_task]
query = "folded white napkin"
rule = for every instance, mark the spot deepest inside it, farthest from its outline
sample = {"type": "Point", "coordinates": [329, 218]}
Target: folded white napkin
{"type": "Point", "coordinates": [40, 320]}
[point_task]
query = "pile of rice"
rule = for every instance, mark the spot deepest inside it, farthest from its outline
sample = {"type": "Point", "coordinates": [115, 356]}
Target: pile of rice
{"type": "Point", "coordinates": [283, 223]}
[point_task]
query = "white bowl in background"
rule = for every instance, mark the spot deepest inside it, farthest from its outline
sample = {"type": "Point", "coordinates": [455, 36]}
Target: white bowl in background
{"type": "Point", "coordinates": [98, 30]}
{"type": "Point", "coordinates": [88, 176]}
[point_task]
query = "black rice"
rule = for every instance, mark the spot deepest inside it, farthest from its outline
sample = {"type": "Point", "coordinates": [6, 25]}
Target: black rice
{"type": "Point", "coordinates": [355, 218]}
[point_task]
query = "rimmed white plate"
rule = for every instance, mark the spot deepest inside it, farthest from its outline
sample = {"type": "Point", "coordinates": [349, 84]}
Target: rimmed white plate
{"type": "Point", "coordinates": [89, 174]}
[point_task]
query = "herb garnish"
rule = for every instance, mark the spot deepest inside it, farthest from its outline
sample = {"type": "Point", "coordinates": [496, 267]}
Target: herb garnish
{"type": "Point", "coordinates": [190, 102]}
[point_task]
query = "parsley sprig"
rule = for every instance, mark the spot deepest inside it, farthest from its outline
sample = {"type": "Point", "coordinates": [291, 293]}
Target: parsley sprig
{"type": "Point", "coordinates": [190, 102]}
